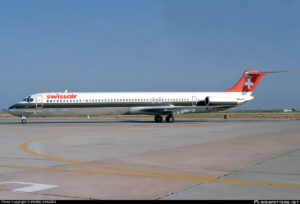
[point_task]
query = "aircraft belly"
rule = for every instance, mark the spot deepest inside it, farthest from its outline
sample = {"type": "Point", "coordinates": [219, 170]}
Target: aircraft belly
{"type": "Point", "coordinates": [45, 112]}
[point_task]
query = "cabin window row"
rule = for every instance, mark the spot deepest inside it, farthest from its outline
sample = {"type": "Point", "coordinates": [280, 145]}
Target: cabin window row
{"type": "Point", "coordinates": [117, 100]}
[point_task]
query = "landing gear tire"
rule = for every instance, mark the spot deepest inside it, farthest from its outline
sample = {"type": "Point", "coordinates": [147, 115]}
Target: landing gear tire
{"type": "Point", "coordinates": [169, 119]}
{"type": "Point", "coordinates": [158, 118]}
{"type": "Point", "coordinates": [24, 120]}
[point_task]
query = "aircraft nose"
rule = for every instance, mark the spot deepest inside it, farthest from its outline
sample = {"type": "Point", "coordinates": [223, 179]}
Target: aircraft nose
{"type": "Point", "coordinates": [11, 108]}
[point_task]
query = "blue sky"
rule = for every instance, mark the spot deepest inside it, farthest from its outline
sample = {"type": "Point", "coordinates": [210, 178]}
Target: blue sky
{"type": "Point", "coordinates": [149, 45]}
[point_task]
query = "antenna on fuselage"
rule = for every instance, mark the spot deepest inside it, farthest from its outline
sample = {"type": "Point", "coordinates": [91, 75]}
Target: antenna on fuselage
{"type": "Point", "coordinates": [66, 90]}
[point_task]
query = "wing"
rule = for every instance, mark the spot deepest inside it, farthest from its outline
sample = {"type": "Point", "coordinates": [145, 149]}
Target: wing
{"type": "Point", "coordinates": [164, 110]}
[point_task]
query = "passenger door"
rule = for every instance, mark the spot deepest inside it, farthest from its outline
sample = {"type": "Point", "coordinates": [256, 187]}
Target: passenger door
{"type": "Point", "coordinates": [39, 102]}
{"type": "Point", "coordinates": [194, 100]}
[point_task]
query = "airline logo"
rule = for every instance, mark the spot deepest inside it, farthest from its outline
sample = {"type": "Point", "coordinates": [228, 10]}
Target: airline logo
{"type": "Point", "coordinates": [62, 96]}
{"type": "Point", "coordinates": [249, 83]}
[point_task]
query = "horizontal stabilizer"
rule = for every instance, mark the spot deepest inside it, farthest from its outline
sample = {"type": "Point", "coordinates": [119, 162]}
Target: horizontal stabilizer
{"type": "Point", "coordinates": [270, 72]}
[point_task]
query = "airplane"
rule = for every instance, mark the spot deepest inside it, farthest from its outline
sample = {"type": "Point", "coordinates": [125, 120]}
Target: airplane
{"type": "Point", "coordinates": [137, 103]}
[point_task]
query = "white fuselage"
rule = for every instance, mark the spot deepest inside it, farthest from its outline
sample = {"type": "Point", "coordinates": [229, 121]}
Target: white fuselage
{"type": "Point", "coordinates": [150, 103]}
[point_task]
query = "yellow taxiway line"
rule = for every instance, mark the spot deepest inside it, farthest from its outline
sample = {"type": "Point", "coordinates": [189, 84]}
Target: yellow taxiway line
{"type": "Point", "coordinates": [135, 173]}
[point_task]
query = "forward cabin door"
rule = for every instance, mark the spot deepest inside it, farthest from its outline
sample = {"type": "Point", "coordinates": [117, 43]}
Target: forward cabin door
{"type": "Point", "coordinates": [194, 100]}
{"type": "Point", "coordinates": [39, 102]}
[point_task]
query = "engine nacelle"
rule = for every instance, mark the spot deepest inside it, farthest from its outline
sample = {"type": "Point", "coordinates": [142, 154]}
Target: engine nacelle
{"type": "Point", "coordinates": [215, 100]}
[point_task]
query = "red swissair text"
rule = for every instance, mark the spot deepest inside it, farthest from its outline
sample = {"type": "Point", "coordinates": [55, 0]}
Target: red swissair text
{"type": "Point", "coordinates": [59, 96]}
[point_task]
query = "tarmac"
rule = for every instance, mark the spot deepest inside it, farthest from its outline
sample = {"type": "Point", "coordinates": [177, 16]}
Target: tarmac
{"type": "Point", "coordinates": [135, 158]}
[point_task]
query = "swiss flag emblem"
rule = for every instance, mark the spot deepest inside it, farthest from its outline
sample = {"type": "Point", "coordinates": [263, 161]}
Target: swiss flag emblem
{"type": "Point", "coordinates": [248, 83]}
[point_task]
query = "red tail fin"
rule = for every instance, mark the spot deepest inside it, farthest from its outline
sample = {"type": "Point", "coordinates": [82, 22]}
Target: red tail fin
{"type": "Point", "coordinates": [248, 82]}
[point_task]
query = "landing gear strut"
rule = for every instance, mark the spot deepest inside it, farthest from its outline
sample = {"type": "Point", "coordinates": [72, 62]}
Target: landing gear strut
{"type": "Point", "coordinates": [24, 120]}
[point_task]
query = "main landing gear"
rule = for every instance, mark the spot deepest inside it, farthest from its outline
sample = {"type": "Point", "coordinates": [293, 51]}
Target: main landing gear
{"type": "Point", "coordinates": [159, 119]}
{"type": "Point", "coordinates": [169, 119]}
{"type": "Point", "coordinates": [24, 120]}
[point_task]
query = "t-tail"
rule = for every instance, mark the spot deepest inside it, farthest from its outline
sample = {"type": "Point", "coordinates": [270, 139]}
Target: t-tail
{"type": "Point", "coordinates": [249, 81]}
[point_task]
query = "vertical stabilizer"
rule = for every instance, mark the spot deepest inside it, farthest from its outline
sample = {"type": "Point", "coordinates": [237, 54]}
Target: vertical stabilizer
{"type": "Point", "coordinates": [248, 82]}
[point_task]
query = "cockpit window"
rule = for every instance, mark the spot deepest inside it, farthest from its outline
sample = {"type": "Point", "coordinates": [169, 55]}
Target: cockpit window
{"type": "Point", "coordinates": [28, 99]}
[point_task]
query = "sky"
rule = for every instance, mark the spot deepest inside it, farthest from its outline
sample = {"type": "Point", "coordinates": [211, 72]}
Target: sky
{"type": "Point", "coordinates": [149, 45]}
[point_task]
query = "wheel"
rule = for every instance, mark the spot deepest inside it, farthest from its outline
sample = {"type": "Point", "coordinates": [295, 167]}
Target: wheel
{"type": "Point", "coordinates": [158, 118]}
{"type": "Point", "coordinates": [23, 121]}
{"type": "Point", "coordinates": [169, 119]}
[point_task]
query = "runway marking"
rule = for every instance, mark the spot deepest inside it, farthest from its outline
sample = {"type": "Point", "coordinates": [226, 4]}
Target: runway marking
{"type": "Point", "coordinates": [24, 147]}
{"type": "Point", "coordinates": [196, 179]}
{"type": "Point", "coordinates": [136, 173]}
{"type": "Point", "coordinates": [74, 171]}
{"type": "Point", "coordinates": [29, 189]}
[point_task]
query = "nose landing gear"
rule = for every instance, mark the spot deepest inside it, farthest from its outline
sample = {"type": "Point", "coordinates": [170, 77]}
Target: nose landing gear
{"type": "Point", "coordinates": [24, 120]}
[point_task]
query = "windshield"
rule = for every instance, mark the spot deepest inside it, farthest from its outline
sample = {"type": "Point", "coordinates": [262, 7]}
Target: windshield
{"type": "Point", "coordinates": [28, 99]}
